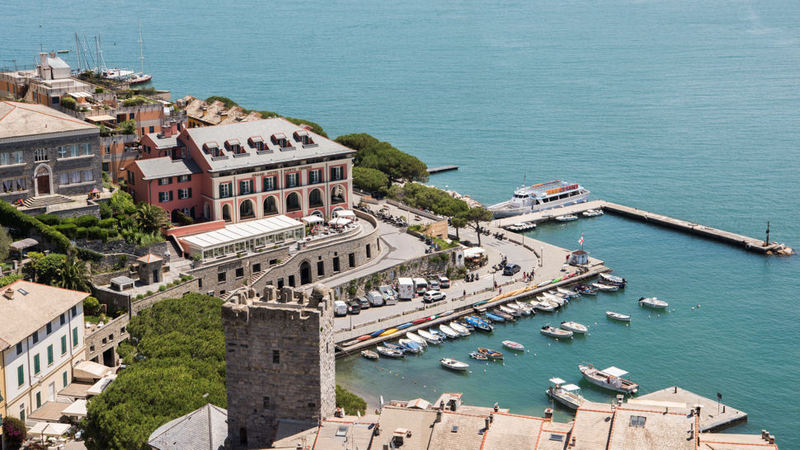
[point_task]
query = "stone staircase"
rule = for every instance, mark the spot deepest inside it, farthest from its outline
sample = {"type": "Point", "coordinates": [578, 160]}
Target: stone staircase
{"type": "Point", "coordinates": [45, 201]}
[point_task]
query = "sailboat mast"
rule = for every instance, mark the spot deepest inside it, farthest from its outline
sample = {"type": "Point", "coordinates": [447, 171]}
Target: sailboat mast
{"type": "Point", "coordinates": [141, 52]}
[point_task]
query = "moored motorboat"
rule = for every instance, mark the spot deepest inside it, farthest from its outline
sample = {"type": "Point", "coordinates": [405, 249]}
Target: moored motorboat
{"type": "Point", "coordinates": [479, 323]}
{"type": "Point", "coordinates": [503, 314]}
{"type": "Point", "coordinates": [417, 338]}
{"type": "Point", "coordinates": [618, 316]}
{"type": "Point", "coordinates": [585, 290]}
{"type": "Point", "coordinates": [449, 332]}
{"type": "Point", "coordinates": [545, 305]}
{"type": "Point", "coordinates": [568, 395]}
{"type": "Point", "coordinates": [568, 292]}
{"type": "Point", "coordinates": [605, 287]}
{"type": "Point", "coordinates": [466, 325]}
{"type": "Point", "coordinates": [612, 280]}
{"type": "Point", "coordinates": [555, 298]}
{"type": "Point", "coordinates": [514, 345]}
{"type": "Point", "coordinates": [410, 346]}
{"type": "Point", "coordinates": [452, 364]}
{"type": "Point", "coordinates": [389, 352]}
{"type": "Point", "coordinates": [369, 354]}
{"type": "Point", "coordinates": [653, 302]}
{"type": "Point", "coordinates": [509, 310]}
{"type": "Point", "coordinates": [460, 329]}
{"type": "Point", "coordinates": [442, 337]}
{"type": "Point", "coordinates": [429, 337]}
{"type": "Point", "coordinates": [479, 356]}
{"type": "Point", "coordinates": [567, 218]}
{"type": "Point", "coordinates": [524, 308]}
{"type": "Point", "coordinates": [592, 213]}
{"type": "Point", "coordinates": [539, 197]}
{"type": "Point", "coordinates": [609, 378]}
{"type": "Point", "coordinates": [495, 318]}
{"type": "Point", "coordinates": [575, 327]}
{"type": "Point", "coordinates": [547, 330]}
{"type": "Point", "coordinates": [493, 354]}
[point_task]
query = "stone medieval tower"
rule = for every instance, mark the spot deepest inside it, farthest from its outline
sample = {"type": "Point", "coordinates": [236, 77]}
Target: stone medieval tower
{"type": "Point", "coordinates": [280, 364]}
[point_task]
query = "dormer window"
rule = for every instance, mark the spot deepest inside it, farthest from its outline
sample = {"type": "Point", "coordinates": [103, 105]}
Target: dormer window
{"type": "Point", "coordinates": [281, 140]}
{"type": "Point", "coordinates": [212, 148]}
{"type": "Point", "coordinates": [303, 137]}
{"type": "Point", "coordinates": [233, 146]}
{"type": "Point", "coordinates": [257, 142]}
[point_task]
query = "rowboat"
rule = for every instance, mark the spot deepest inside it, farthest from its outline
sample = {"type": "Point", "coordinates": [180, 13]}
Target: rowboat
{"type": "Point", "coordinates": [389, 352]}
{"type": "Point", "coordinates": [613, 280]}
{"type": "Point", "coordinates": [618, 316]}
{"type": "Point", "coordinates": [377, 333]}
{"type": "Point", "coordinates": [568, 395]}
{"type": "Point", "coordinates": [389, 331]}
{"type": "Point", "coordinates": [430, 337]}
{"type": "Point", "coordinates": [585, 290]}
{"type": "Point", "coordinates": [503, 314]}
{"type": "Point", "coordinates": [513, 345]}
{"type": "Point", "coordinates": [478, 356]}
{"type": "Point", "coordinates": [363, 338]}
{"type": "Point", "coordinates": [423, 320]}
{"type": "Point", "coordinates": [592, 213]}
{"type": "Point", "coordinates": [605, 287]}
{"type": "Point", "coordinates": [547, 330]}
{"type": "Point", "coordinates": [494, 317]}
{"type": "Point", "coordinates": [544, 305]}
{"type": "Point", "coordinates": [449, 332]}
{"type": "Point", "coordinates": [652, 302]}
{"type": "Point", "coordinates": [410, 346]}
{"type": "Point", "coordinates": [416, 338]}
{"type": "Point", "coordinates": [575, 327]}
{"type": "Point", "coordinates": [567, 218]}
{"type": "Point", "coordinates": [493, 354]}
{"type": "Point", "coordinates": [610, 378]}
{"type": "Point", "coordinates": [404, 326]}
{"type": "Point", "coordinates": [458, 328]}
{"type": "Point", "coordinates": [452, 364]}
{"type": "Point", "coordinates": [568, 292]}
{"type": "Point", "coordinates": [369, 354]}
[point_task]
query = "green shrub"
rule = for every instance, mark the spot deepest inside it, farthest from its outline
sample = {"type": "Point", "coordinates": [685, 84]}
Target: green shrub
{"type": "Point", "coordinates": [349, 402]}
{"type": "Point", "coordinates": [69, 103]}
{"type": "Point", "coordinates": [112, 233]}
{"type": "Point", "coordinates": [107, 223]}
{"type": "Point", "coordinates": [67, 229]}
{"type": "Point", "coordinates": [86, 221]}
{"type": "Point", "coordinates": [14, 432]}
{"type": "Point", "coordinates": [148, 293]}
{"type": "Point", "coordinates": [98, 90]}
{"type": "Point", "coordinates": [91, 306]}
{"type": "Point", "coordinates": [87, 254]}
{"type": "Point", "coordinates": [162, 288]}
{"type": "Point", "coordinates": [10, 278]}
{"type": "Point", "coordinates": [49, 219]}
{"type": "Point", "coordinates": [105, 210]}
{"type": "Point", "coordinates": [139, 297]}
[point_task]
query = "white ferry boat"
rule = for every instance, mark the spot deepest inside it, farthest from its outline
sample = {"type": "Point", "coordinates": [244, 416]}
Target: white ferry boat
{"type": "Point", "coordinates": [538, 197]}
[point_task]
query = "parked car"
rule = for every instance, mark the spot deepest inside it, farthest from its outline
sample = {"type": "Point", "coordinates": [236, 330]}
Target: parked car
{"type": "Point", "coordinates": [363, 302]}
{"type": "Point", "coordinates": [354, 307]}
{"type": "Point", "coordinates": [375, 298]}
{"type": "Point", "coordinates": [433, 296]}
{"type": "Point", "coordinates": [389, 295]}
{"type": "Point", "coordinates": [511, 269]}
{"type": "Point", "coordinates": [444, 282]}
{"type": "Point", "coordinates": [339, 308]}
{"type": "Point", "coordinates": [433, 284]}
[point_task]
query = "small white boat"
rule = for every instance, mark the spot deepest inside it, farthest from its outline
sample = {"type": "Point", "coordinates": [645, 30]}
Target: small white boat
{"type": "Point", "coordinates": [369, 354]}
{"type": "Point", "coordinates": [605, 287]}
{"type": "Point", "coordinates": [592, 213]}
{"type": "Point", "coordinates": [460, 329]}
{"type": "Point", "coordinates": [575, 327]}
{"type": "Point", "coordinates": [452, 364]}
{"type": "Point", "coordinates": [509, 310]}
{"type": "Point", "coordinates": [567, 218]}
{"type": "Point", "coordinates": [560, 301]}
{"type": "Point", "coordinates": [513, 345]}
{"type": "Point", "coordinates": [431, 338]}
{"type": "Point", "coordinates": [449, 332]}
{"type": "Point", "coordinates": [524, 308]}
{"type": "Point", "coordinates": [521, 226]}
{"type": "Point", "coordinates": [547, 330]}
{"type": "Point", "coordinates": [618, 316]}
{"type": "Point", "coordinates": [389, 352]}
{"type": "Point", "coordinates": [410, 346]}
{"type": "Point", "coordinates": [610, 378]}
{"type": "Point", "coordinates": [653, 302]}
{"type": "Point", "coordinates": [612, 280]}
{"type": "Point", "coordinates": [568, 292]}
{"type": "Point", "coordinates": [416, 338]}
{"type": "Point", "coordinates": [544, 305]}
{"type": "Point", "coordinates": [568, 395]}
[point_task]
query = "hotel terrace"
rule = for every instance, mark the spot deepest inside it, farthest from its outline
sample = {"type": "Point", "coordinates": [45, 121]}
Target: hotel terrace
{"type": "Point", "coordinates": [244, 171]}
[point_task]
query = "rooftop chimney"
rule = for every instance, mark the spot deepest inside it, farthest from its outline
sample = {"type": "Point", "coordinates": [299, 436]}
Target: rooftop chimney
{"type": "Point", "coordinates": [9, 294]}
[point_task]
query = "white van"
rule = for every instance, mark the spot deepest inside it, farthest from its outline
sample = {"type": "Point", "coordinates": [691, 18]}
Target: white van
{"type": "Point", "coordinates": [420, 285]}
{"type": "Point", "coordinates": [339, 308]}
{"type": "Point", "coordinates": [405, 288]}
{"type": "Point", "coordinates": [375, 298]}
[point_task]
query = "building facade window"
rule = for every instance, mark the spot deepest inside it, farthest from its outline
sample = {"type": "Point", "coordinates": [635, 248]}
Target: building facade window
{"type": "Point", "coordinates": [184, 178]}
{"type": "Point", "coordinates": [245, 187]}
{"type": "Point", "coordinates": [165, 196]}
{"type": "Point", "coordinates": [221, 277]}
{"type": "Point", "coordinates": [270, 206]}
{"type": "Point", "coordinates": [21, 375]}
{"type": "Point", "coordinates": [246, 210]}
{"type": "Point", "coordinates": [315, 198]}
{"type": "Point", "coordinates": [74, 337]}
{"type": "Point", "coordinates": [337, 194]}
{"type": "Point", "coordinates": [183, 194]}
{"type": "Point", "coordinates": [337, 173]}
{"type": "Point", "coordinates": [62, 320]}
{"type": "Point", "coordinates": [49, 355]}
{"type": "Point", "coordinates": [36, 366]}
{"type": "Point", "coordinates": [87, 175]}
{"type": "Point", "coordinates": [64, 378]}
{"type": "Point", "coordinates": [164, 181]}
{"type": "Point", "coordinates": [10, 158]}
{"type": "Point", "coordinates": [293, 202]}
{"type": "Point", "coordinates": [315, 176]}
{"type": "Point", "coordinates": [225, 190]}
{"type": "Point", "coordinates": [40, 154]}
{"type": "Point", "coordinates": [63, 345]}
{"type": "Point", "coordinates": [76, 176]}
{"type": "Point", "coordinates": [49, 327]}
{"type": "Point", "coordinates": [19, 348]}
{"type": "Point", "coordinates": [291, 180]}
{"type": "Point", "coordinates": [35, 336]}
{"type": "Point", "coordinates": [269, 184]}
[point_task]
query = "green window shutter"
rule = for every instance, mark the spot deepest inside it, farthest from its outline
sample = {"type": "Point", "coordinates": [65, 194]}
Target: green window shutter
{"type": "Point", "coordinates": [49, 355]}
{"type": "Point", "coordinates": [64, 378]}
{"type": "Point", "coordinates": [38, 400]}
{"type": "Point", "coordinates": [36, 367]}
{"type": "Point", "coordinates": [75, 337]}
{"type": "Point", "coordinates": [63, 344]}
{"type": "Point", "coordinates": [20, 375]}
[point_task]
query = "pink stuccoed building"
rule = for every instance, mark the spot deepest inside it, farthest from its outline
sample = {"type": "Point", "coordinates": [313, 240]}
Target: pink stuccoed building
{"type": "Point", "coordinates": [244, 171]}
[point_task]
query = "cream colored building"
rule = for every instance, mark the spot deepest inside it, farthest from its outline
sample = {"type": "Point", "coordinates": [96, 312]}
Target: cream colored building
{"type": "Point", "coordinates": [41, 339]}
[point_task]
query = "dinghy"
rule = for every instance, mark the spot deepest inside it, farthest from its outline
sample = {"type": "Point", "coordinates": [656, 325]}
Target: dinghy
{"type": "Point", "coordinates": [479, 356]}
{"type": "Point", "coordinates": [568, 395]}
{"type": "Point", "coordinates": [545, 305]}
{"type": "Point", "coordinates": [503, 314]}
{"type": "Point", "coordinates": [452, 364]}
{"type": "Point", "coordinates": [493, 354]}
{"type": "Point", "coordinates": [479, 323]}
{"type": "Point", "coordinates": [592, 213]}
{"type": "Point", "coordinates": [585, 290]}
{"type": "Point", "coordinates": [458, 328]}
{"type": "Point", "coordinates": [613, 280]}
{"type": "Point", "coordinates": [653, 302]}
{"type": "Point", "coordinates": [416, 338]}
{"type": "Point", "coordinates": [567, 218]}
{"type": "Point", "coordinates": [514, 346]}
{"type": "Point", "coordinates": [547, 330]}
{"type": "Point", "coordinates": [466, 325]}
{"type": "Point", "coordinates": [410, 346]}
{"type": "Point", "coordinates": [618, 316]}
{"type": "Point", "coordinates": [605, 287]}
{"type": "Point", "coordinates": [449, 332]}
{"type": "Point", "coordinates": [429, 337]}
{"type": "Point", "coordinates": [575, 327]}
{"type": "Point", "coordinates": [369, 354]}
{"type": "Point", "coordinates": [389, 352]}
{"type": "Point", "coordinates": [610, 378]}
{"type": "Point", "coordinates": [510, 310]}
{"type": "Point", "coordinates": [495, 318]}
{"type": "Point", "coordinates": [568, 292]}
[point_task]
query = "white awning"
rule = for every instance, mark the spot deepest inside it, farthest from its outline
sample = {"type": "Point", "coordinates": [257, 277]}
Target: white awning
{"type": "Point", "coordinates": [313, 219]}
{"type": "Point", "coordinates": [89, 370]}
{"type": "Point", "coordinates": [557, 380]}
{"type": "Point", "coordinates": [344, 213]}
{"type": "Point", "coordinates": [570, 387]}
{"type": "Point", "coordinates": [473, 252]}
{"type": "Point", "coordinates": [49, 429]}
{"type": "Point", "coordinates": [339, 221]}
{"type": "Point", "coordinates": [76, 409]}
{"type": "Point", "coordinates": [242, 231]}
{"type": "Point", "coordinates": [614, 371]}
{"type": "Point", "coordinates": [101, 385]}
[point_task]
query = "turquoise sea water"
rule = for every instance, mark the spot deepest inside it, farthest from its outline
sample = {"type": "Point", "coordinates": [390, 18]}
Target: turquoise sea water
{"type": "Point", "coordinates": [684, 108]}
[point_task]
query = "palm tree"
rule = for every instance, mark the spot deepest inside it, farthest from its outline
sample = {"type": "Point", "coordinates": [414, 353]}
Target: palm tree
{"type": "Point", "coordinates": [73, 274]}
{"type": "Point", "coordinates": [151, 218]}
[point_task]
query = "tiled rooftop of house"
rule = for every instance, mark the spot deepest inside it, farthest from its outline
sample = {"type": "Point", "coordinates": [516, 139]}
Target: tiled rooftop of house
{"type": "Point", "coordinates": [28, 119]}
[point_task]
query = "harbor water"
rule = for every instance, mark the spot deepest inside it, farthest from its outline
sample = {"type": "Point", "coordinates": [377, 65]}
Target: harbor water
{"type": "Point", "coordinates": [683, 108]}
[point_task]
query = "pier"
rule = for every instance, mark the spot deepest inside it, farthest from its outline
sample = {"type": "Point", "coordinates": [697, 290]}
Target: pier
{"type": "Point", "coordinates": [738, 240]}
{"type": "Point", "coordinates": [433, 170]}
{"type": "Point", "coordinates": [714, 416]}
